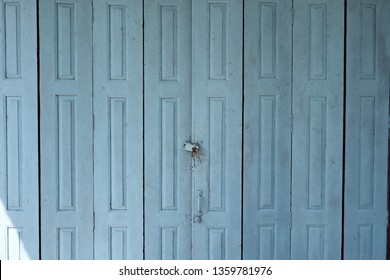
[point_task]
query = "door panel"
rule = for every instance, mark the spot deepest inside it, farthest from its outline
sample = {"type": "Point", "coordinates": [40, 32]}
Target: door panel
{"type": "Point", "coordinates": [367, 89]}
{"type": "Point", "coordinates": [217, 115]}
{"type": "Point", "coordinates": [66, 129]}
{"type": "Point", "coordinates": [167, 128]}
{"type": "Point", "coordinates": [19, 223]}
{"type": "Point", "coordinates": [193, 94]}
{"type": "Point", "coordinates": [317, 142]}
{"type": "Point", "coordinates": [118, 143]}
{"type": "Point", "coordinates": [95, 123]}
{"type": "Point", "coordinates": [267, 129]}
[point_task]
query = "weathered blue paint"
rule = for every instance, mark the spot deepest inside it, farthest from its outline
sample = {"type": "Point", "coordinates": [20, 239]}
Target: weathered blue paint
{"type": "Point", "coordinates": [92, 131]}
{"type": "Point", "coordinates": [317, 139]}
{"type": "Point", "coordinates": [367, 110]}
{"type": "Point", "coordinates": [118, 129]}
{"type": "Point", "coordinates": [193, 88]}
{"type": "Point", "coordinates": [267, 129]}
{"type": "Point", "coordinates": [217, 126]}
{"type": "Point", "coordinates": [66, 129]}
{"type": "Point", "coordinates": [19, 237]}
{"type": "Point", "coordinates": [168, 65]}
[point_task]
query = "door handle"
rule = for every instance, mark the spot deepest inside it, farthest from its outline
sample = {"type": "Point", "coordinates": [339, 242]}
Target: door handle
{"type": "Point", "coordinates": [198, 214]}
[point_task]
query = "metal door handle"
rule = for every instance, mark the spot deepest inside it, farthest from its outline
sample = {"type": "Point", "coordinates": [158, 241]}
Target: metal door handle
{"type": "Point", "coordinates": [199, 202]}
{"type": "Point", "coordinates": [198, 214]}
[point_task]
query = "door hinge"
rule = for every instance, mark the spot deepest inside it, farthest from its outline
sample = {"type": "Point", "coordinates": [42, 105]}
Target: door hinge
{"type": "Point", "coordinates": [93, 122]}
{"type": "Point", "coordinates": [292, 123]}
{"type": "Point", "coordinates": [93, 221]}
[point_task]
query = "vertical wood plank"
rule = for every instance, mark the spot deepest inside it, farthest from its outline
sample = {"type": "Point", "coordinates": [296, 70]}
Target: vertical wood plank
{"type": "Point", "coordinates": [217, 127]}
{"type": "Point", "coordinates": [366, 138]}
{"type": "Point", "coordinates": [317, 142]}
{"type": "Point", "coordinates": [66, 129]}
{"type": "Point", "coordinates": [267, 129]}
{"type": "Point", "coordinates": [118, 129]}
{"type": "Point", "coordinates": [168, 70]}
{"type": "Point", "coordinates": [19, 221]}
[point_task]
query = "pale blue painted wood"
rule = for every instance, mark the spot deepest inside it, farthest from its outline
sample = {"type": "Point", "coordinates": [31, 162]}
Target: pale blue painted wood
{"type": "Point", "coordinates": [168, 69]}
{"type": "Point", "coordinates": [66, 129]}
{"type": "Point", "coordinates": [367, 110]}
{"type": "Point", "coordinates": [267, 130]}
{"type": "Point", "coordinates": [19, 222]}
{"type": "Point", "coordinates": [118, 129]}
{"type": "Point", "coordinates": [217, 118]}
{"type": "Point", "coordinates": [193, 94]}
{"type": "Point", "coordinates": [317, 141]}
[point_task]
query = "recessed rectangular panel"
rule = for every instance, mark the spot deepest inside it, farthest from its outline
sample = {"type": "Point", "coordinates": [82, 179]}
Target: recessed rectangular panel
{"type": "Point", "coordinates": [14, 243]}
{"type": "Point", "coordinates": [365, 235]}
{"type": "Point", "coordinates": [266, 187]}
{"type": "Point", "coordinates": [217, 185]}
{"type": "Point", "coordinates": [318, 42]}
{"type": "Point", "coordinates": [367, 152]}
{"type": "Point", "coordinates": [217, 243]}
{"type": "Point", "coordinates": [118, 160]}
{"type": "Point", "coordinates": [12, 40]}
{"type": "Point", "coordinates": [118, 243]}
{"type": "Point", "coordinates": [117, 42]}
{"type": "Point", "coordinates": [317, 150]}
{"type": "Point", "coordinates": [368, 40]}
{"type": "Point", "coordinates": [66, 243]}
{"type": "Point", "coordinates": [65, 41]}
{"type": "Point", "coordinates": [169, 154]}
{"type": "Point", "coordinates": [266, 237]}
{"type": "Point", "coordinates": [168, 243]}
{"type": "Point", "coordinates": [315, 242]}
{"type": "Point", "coordinates": [217, 37]}
{"type": "Point", "coordinates": [169, 43]}
{"type": "Point", "coordinates": [267, 27]}
{"type": "Point", "coordinates": [14, 153]}
{"type": "Point", "coordinates": [66, 164]}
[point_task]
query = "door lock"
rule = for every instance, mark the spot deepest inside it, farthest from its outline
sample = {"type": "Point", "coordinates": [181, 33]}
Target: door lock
{"type": "Point", "coordinates": [197, 219]}
{"type": "Point", "coordinates": [191, 147]}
